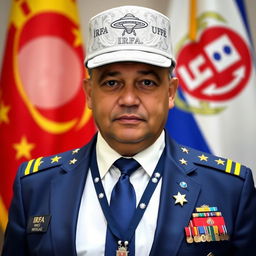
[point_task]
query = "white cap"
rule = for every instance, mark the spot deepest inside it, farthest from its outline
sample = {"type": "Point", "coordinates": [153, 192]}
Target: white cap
{"type": "Point", "coordinates": [129, 33]}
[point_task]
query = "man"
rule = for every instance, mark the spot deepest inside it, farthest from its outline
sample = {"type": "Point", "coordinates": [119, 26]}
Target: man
{"type": "Point", "coordinates": [77, 203]}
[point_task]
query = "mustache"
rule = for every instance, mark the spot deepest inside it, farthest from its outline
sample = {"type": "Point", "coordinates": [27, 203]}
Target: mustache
{"type": "Point", "coordinates": [130, 114]}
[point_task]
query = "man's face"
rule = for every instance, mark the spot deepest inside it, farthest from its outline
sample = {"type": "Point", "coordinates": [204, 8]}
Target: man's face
{"type": "Point", "coordinates": [130, 103]}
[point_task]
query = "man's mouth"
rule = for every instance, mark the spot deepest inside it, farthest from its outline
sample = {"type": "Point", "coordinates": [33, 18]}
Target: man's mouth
{"type": "Point", "coordinates": [129, 119]}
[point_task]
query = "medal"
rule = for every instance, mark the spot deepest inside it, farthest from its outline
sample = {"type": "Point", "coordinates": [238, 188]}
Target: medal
{"type": "Point", "coordinates": [195, 233]}
{"type": "Point", "coordinates": [189, 237]}
{"type": "Point", "coordinates": [216, 232]}
{"type": "Point", "coordinates": [208, 238]}
{"type": "Point", "coordinates": [207, 225]}
{"type": "Point", "coordinates": [122, 249]}
{"type": "Point", "coordinates": [203, 238]}
{"type": "Point", "coordinates": [197, 239]}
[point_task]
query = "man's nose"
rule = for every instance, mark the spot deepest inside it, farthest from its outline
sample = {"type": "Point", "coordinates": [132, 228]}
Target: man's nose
{"type": "Point", "coordinates": [129, 96]}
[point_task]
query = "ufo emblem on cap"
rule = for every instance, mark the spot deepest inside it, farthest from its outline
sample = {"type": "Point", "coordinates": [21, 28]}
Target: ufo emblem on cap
{"type": "Point", "coordinates": [129, 23]}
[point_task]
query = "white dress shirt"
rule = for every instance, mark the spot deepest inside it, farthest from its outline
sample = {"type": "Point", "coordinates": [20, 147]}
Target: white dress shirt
{"type": "Point", "coordinates": [92, 225]}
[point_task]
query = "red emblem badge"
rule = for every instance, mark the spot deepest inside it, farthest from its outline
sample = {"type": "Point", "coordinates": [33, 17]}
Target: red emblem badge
{"type": "Point", "coordinates": [217, 67]}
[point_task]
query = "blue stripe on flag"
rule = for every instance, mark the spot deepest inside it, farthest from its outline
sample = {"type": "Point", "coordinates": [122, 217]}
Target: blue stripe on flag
{"type": "Point", "coordinates": [184, 129]}
{"type": "Point", "coordinates": [241, 7]}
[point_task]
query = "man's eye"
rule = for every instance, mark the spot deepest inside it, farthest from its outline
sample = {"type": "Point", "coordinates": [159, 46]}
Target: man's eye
{"type": "Point", "coordinates": [110, 83]}
{"type": "Point", "coordinates": [148, 83]}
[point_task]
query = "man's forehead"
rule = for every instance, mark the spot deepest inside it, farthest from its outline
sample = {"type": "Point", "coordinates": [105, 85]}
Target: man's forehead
{"type": "Point", "coordinates": [128, 66]}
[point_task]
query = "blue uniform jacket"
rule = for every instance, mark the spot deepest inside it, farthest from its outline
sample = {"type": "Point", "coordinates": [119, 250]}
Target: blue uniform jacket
{"type": "Point", "coordinates": [47, 194]}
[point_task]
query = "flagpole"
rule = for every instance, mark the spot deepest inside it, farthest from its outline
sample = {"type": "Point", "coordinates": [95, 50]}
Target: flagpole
{"type": "Point", "coordinates": [192, 20]}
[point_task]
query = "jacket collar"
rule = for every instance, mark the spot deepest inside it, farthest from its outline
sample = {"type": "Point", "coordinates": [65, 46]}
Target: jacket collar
{"type": "Point", "coordinates": [173, 218]}
{"type": "Point", "coordinates": [68, 186]}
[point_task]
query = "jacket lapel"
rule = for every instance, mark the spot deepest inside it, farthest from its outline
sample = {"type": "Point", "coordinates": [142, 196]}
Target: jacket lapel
{"type": "Point", "coordinates": [173, 218]}
{"type": "Point", "coordinates": [66, 193]}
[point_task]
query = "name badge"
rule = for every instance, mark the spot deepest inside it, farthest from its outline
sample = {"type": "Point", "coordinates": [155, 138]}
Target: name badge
{"type": "Point", "coordinates": [38, 224]}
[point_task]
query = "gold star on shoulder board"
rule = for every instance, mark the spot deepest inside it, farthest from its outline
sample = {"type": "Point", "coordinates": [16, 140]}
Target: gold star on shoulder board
{"type": "Point", "coordinates": [73, 161]}
{"type": "Point", "coordinates": [55, 159]}
{"type": "Point", "coordinates": [219, 161]}
{"type": "Point", "coordinates": [180, 199]}
{"type": "Point", "coordinates": [183, 161]}
{"type": "Point", "coordinates": [203, 158]}
{"type": "Point", "coordinates": [184, 150]}
{"type": "Point", "coordinates": [75, 151]}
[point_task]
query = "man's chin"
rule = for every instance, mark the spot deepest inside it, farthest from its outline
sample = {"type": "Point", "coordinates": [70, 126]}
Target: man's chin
{"type": "Point", "coordinates": [126, 139]}
{"type": "Point", "coordinates": [128, 144]}
{"type": "Point", "coordinates": [129, 135]}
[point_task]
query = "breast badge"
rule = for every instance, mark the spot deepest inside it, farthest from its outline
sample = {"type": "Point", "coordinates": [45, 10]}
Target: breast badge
{"type": "Point", "coordinates": [207, 225]}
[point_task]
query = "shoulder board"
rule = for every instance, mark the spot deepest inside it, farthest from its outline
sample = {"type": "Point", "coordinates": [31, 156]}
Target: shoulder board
{"type": "Point", "coordinates": [214, 162]}
{"type": "Point", "coordinates": [44, 163]}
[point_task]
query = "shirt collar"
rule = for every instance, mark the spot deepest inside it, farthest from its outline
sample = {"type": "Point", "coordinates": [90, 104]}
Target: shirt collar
{"type": "Point", "coordinates": [148, 158]}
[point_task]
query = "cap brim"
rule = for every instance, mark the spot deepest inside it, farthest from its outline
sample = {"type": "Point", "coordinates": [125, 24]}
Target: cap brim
{"type": "Point", "coordinates": [129, 55]}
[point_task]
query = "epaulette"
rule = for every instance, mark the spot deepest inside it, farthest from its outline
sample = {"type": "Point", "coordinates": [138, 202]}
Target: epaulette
{"type": "Point", "coordinates": [44, 163]}
{"type": "Point", "coordinates": [188, 155]}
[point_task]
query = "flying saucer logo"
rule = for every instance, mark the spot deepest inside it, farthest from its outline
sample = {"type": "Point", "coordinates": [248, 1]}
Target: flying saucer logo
{"type": "Point", "coordinates": [129, 23]}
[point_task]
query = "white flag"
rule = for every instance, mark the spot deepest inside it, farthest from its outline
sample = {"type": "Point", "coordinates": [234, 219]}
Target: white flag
{"type": "Point", "coordinates": [217, 80]}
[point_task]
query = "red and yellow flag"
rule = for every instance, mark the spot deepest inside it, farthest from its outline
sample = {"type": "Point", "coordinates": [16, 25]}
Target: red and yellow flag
{"type": "Point", "coordinates": [42, 103]}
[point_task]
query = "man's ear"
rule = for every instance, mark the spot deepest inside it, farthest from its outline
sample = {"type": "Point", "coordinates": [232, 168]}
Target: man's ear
{"type": "Point", "coordinates": [173, 85]}
{"type": "Point", "coordinates": [88, 91]}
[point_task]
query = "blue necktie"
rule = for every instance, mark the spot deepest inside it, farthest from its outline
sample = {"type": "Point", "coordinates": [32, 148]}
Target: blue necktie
{"type": "Point", "coordinates": [122, 205]}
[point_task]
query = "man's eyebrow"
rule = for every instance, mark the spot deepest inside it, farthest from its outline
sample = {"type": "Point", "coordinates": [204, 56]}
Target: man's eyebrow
{"type": "Point", "coordinates": [150, 72]}
{"type": "Point", "coordinates": [108, 73]}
